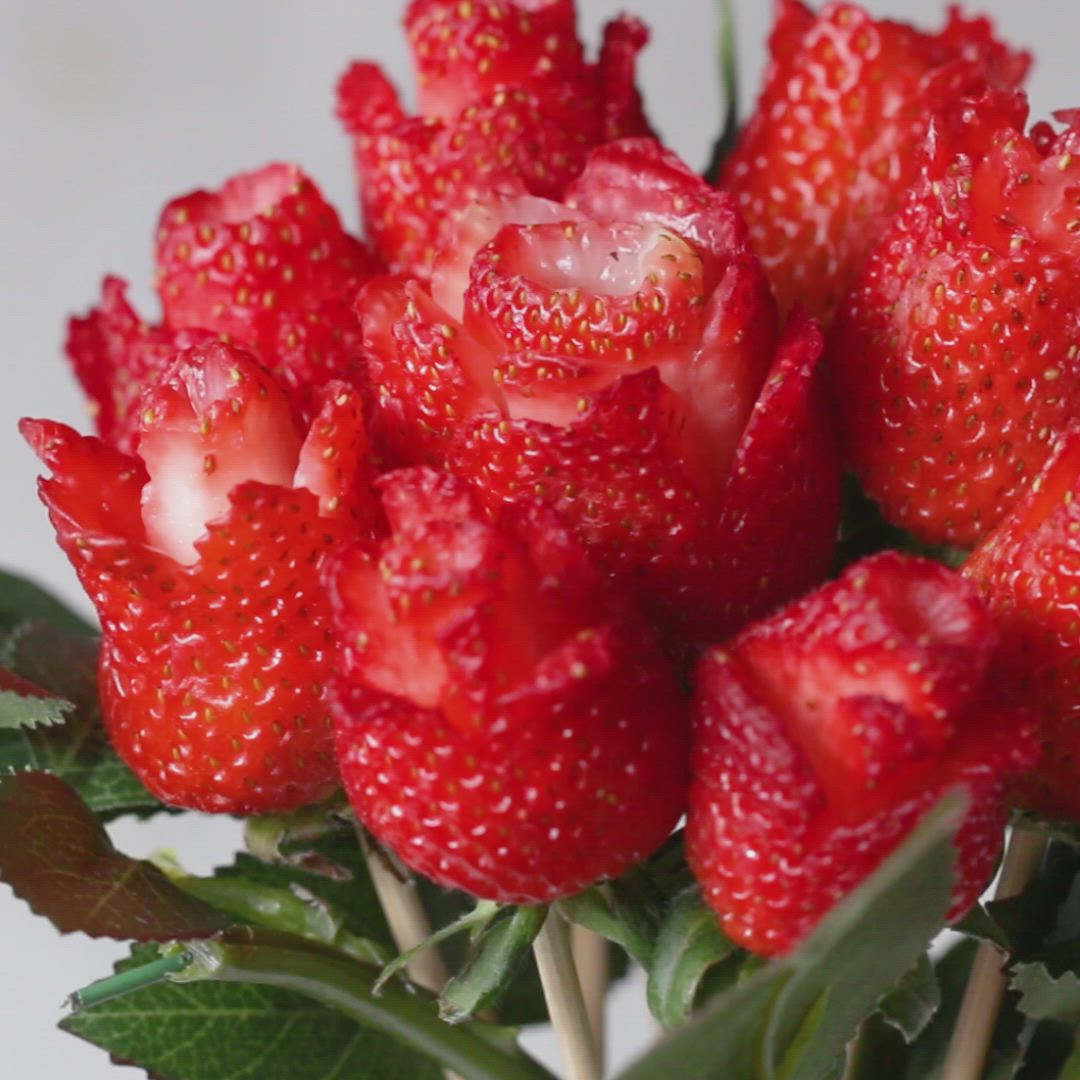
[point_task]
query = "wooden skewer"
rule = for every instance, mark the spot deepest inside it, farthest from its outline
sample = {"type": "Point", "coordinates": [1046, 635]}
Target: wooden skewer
{"type": "Point", "coordinates": [566, 1006]}
{"type": "Point", "coordinates": [987, 980]}
{"type": "Point", "coordinates": [592, 958]}
{"type": "Point", "coordinates": [407, 919]}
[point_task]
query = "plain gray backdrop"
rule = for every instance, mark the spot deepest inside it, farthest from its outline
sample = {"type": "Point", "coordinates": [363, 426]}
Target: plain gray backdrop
{"type": "Point", "coordinates": [109, 108]}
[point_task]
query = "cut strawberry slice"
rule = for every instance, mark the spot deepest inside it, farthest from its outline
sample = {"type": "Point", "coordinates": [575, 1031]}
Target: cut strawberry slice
{"type": "Point", "coordinates": [869, 674]}
{"type": "Point", "coordinates": [618, 294]}
{"type": "Point", "coordinates": [639, 180]}
{"type": "Point", "coordinates": [467, 51]}
{"type": "Point", "coordinates": [476, 228]}
{"type": "Point", "coordinates": [116, 355]}
{"type": "Point", "coordinates": [214, 420]}
{"type": "Point", "coordinates": [440, 613]}
{"type": "Point", "coordinates": [267, 240]}
{"type": "Point", "coordinates": [427, 372]}
{"type": "Point", "coordinates": [335, 460]}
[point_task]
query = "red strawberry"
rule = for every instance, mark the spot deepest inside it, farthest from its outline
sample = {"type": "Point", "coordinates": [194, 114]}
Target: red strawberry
{"type": "Point", "coordinates": [116, 356]}
{"type": "Point", "coordinates": [202, 560]}
{"type": "Point", "coordinates": [820, 168]}
{"type": "Point", "coordinates": [823, 733]}
{"type": "Point", "coordinates": [1028, 570]}
{"type": "Point", "coordinates": [956, 351]}
{"type": "Point", "coordinates": [463, 52]}
{"type": "Point", "coordinates": [264, 262]}
{"type": "Point", "coordinates": [505, 722]}
{"type": "Point", "coordinates": [508, 105]}
{"type": "Point", "coordinates": [608, 359]}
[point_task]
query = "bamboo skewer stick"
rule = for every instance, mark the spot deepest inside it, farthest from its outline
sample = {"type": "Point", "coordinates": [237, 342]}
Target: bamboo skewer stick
{"type": "Point", "coordinates": [407, 919]}
{"type": "Point", "coordinates": [592, 958]}
{"type": "Point", "coordinates": [987, 980]}
{"type": "Point", "coordinates": [566, 1006]}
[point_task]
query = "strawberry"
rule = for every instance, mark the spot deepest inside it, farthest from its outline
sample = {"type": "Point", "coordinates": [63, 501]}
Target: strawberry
{"type": "Point", "coordinates": [504, 720]}
{"type": "Point", "coordinates": [821, 166]}
{"type": "Point", "coordinates": [265, 263]}
{"type": "Point", "coordinates": [463, 52]}
{"type": "Point", "coordinates": [202, 559]}
{"type": "Point", "coordinates": [115, 355]}
{"type": "Point", "coordinates": [509, 106]}
{"type": "Point", "coordinates": [823, 733]}
{"type": "Point", "coordinates": [1028, 570]}
{"type": "Point", "coordinates": [956, 351]}
{"type": "Point", "coordinates": [617, 358]}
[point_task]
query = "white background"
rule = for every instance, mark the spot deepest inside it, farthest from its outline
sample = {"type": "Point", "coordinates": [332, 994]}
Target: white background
{"type": "Point", "coordinates": [107, 109]}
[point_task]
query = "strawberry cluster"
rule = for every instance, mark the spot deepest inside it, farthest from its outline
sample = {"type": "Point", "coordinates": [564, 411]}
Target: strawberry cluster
{"type": "Point", "coordinates": [518, 523]}
{"type": "Point", "coordinates": [619, 356]}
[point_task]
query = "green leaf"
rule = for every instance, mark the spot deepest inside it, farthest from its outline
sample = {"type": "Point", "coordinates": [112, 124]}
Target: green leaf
{"type": "Point", "coordinates": [56, 856]}
{"type": "Point", "coordinates": [1048, 908]}
{"type": "Point", "coordinates": [229, 1031]}
{"type": "Point", "coordinates": [325, 977]}
{"type": "Point", "coordinates": [858, 951]}
{"type": "Point", "coordinates": [22, 600]}
{"type": "Point", "coordinates": [522, 1002]}
{"type": "Point", "coordinates": [879, 1051]}
{"type": "Point", "coordinates": [910, 1005]}
{"type": "Point", "coordinates": [804, 1037]}
{"type": "Point", "coordinates": [723, 1041]}
{"type": "Point", "coordinates": [1047, 997]}
{"type": "Point", "coordinates": [77, 750]}
{"type": "Point", "coordinates": [320, 852]}
{"type": "Point", "coordinates": [500, 953]}
{"type": "Point", "coordinates": [867, 943]}
{"type": "Point", "coordinates": [630, 910]}
{"type": "Point", "coordinates": [1071, 1069]}
{"type": "Point", "coordinates": [597, 909]}
{"type": "Point", "coordinates": [689, 944]}
{"type": "Point", "coordinates": [925, 1058]}
{"type": "Point", "coordinates": [322, 856]}
{"type": "Point", "coordinates": [978, 923]}
{"type": "Point", "coordinates": [864, 531]}
{"type": "Point", "coordinates": [25, 705]}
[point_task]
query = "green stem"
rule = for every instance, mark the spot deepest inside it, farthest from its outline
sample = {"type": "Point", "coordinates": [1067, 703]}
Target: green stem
{"type": "Point", "coordinates": [729, 78]}
{"type": "Point", "coordinates": [125, 982]}
{"type": "Point", "coordinates": [348, 987]}
{"type": "Point", "coordinates": [473, 1050]}
{"type": "Point", "coordinates": [479, 917]}
{"type": "Point", "coordinates": [275, 908]}
{"type": "Point", "coordinates": [264, 836]}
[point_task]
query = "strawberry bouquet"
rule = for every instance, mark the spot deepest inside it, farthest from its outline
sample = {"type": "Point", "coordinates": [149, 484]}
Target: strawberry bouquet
{"type": "Point", "coordinates": [599, 565]}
